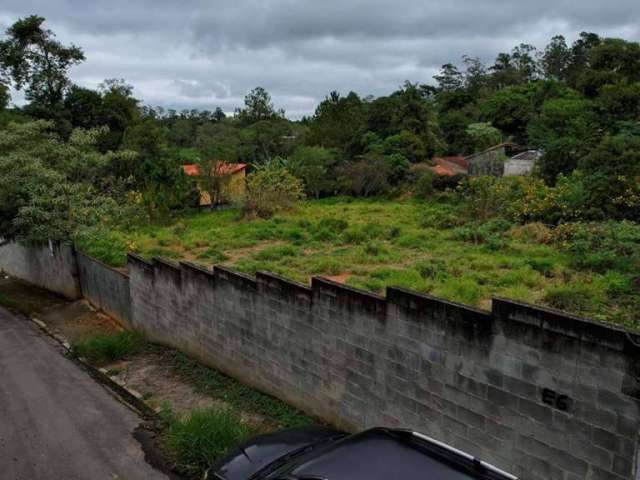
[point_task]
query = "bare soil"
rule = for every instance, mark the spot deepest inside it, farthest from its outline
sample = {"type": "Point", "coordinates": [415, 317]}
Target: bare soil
{"type": "Point", "coordinates": [151, 375]}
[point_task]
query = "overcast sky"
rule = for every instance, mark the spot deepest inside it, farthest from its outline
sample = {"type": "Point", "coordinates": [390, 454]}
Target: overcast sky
{"type": "Point", "coordinates": [204, 54]}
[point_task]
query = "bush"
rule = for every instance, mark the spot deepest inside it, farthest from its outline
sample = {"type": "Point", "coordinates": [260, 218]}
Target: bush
{"type": "Point", "coordinates": [432, 268]}
{"type": "Point", "coordinates": [103, 349]}
{"type": "Point", "coordinates": [601, 246]}
{"type": "Point", "coordinates": [197, 441]}
{"type": "Point", "coordinates": [366, 177]}
{"type": "Point", "coordinates": [272, 189]}
{"type": "Point", "coordinates": [424, 185]}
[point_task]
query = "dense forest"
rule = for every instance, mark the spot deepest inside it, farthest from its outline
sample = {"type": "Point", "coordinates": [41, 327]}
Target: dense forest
{"type": "Point", "coordinates": [73, 156]}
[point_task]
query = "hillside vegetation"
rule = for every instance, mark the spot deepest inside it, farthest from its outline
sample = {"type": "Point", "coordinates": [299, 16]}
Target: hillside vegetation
{"type": "Point", "coordinates": [429, 246]}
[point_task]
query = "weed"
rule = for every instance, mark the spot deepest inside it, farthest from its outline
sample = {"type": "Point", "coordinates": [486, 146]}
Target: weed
{"type": "Point", "coordinates": [213, 255]}
{"type": "Point", "coordinates": [105, 348]}
{"type": "Point", "coordinates": [211, 382]}
{"type": "Point", "coordinates": [432, 268]}
{"type": "Point", "coordinates": [576, 298]}
{"type": "Point", "coordinates": [198, 440]}
{"type": "Point", "coordinates": [276, 253]}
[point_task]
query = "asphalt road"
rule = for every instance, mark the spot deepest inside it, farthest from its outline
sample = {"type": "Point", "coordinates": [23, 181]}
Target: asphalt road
{"type": "Point", "coordinates": [56, 422]}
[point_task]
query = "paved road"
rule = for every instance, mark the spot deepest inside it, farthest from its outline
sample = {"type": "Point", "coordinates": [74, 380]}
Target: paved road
{"type": "Point", "coordinates": [56, 422]}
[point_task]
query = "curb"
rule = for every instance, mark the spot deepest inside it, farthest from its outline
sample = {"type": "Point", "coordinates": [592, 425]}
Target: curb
{"type": "Point", "coordinates": [129, 396]}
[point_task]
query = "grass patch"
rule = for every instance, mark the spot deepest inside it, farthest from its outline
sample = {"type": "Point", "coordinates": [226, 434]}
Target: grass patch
{"type": "Point", "coordinates": [241, 397]}
{"type": "Point", "coordinates": [105, 348]}
{"type": "Point", "coordinates": [458, 258]}
{"type": "Point", "coordinates": [197, 441]}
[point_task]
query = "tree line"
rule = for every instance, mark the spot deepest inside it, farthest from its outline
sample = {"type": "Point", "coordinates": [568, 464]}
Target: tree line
{"type": "Point", "coordinates": [71, 149]}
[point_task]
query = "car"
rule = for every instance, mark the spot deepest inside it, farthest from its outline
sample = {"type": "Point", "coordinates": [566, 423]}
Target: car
{"type": "Point", "coordinates": [319, 453]}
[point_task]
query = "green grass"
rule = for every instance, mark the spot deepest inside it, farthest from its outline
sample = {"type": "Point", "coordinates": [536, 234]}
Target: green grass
{"type": "Point", "coordinates": [104, 348]}
{"type": "Point", "coordinates": [239, 396]}
{"type": "Point", "coordinates": [426, 246]}
{"type": "Point", "coordinates": [197, 441]}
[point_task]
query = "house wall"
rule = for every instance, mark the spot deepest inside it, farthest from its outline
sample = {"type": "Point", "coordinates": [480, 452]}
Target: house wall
{"type": "Point", "coordinates": [105, 288]}
{"type": "Point", "coordinates": [533, 391]}
{"type": "Point", "coordinates": [518, 167]}
{"type": "Point", "coordinates": [488, 163]}
{"type": "Point", "coordinates": [51, 266]}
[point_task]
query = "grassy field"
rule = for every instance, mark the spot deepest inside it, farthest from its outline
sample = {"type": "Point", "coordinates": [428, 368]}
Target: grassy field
{"type": "Point", "coordinates": [428, 247]}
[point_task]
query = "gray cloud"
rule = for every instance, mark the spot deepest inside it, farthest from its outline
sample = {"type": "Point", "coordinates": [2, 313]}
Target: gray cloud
{"type": "Point", "coordinates": [204, 54]}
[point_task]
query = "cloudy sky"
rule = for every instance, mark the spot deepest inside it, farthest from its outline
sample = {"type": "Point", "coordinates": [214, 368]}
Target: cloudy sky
{"type": "Point", "coordinates": [209, 53]}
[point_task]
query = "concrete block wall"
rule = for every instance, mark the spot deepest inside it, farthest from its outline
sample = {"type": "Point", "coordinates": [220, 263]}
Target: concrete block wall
{"type": "Point", "coordinates": [51, 266]}
{"type": "Point", "coordinates": [105, 288]}
{"type": "Point", "coordinates": [536, 392]}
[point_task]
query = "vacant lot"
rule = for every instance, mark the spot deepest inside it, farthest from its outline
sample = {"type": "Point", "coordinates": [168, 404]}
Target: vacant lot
{"type": "Point", "coordinates": [429, 247]}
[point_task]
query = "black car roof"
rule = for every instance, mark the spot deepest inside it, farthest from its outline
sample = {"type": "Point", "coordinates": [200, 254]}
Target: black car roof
{"type": "Point", "coordinates": [383, 454]}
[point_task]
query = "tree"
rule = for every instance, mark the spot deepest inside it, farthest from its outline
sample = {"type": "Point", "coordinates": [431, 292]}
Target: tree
{"type": "Point", "coordinates": [49, 187]}
{"type": "Point", "coordinates": [119, 111]}
{"type": "Point", "coordinates": [510, 110]}
{"type": "Point", "coordinates": [5, 97]}
{"type": "Point", "coordinates": [449, 79]}
{"type": "Point", "coordinates": [556, 59]}
{"type": "Point", "coordinates": [483, 136]}
{"type": "Point", "coordinates": [271, 189]}
{"type": "Point", "coordinates": [258, 107]}
{"type": "Point", "coordinates": [83, 107]}
{"type": "Point", "coordinates": [217, 145]}
{"type": "Point", "coordinates": [31, 57]}
{"type": "Point", "coordinates": [314, 165]}
{"type": "Point", "coordinates": [565, 130]}
{"type": "Point", "coordinates": [157, 175]}
{"type": "Point", "coordinates": [339, 123]}
{"type": "Point", "coordinates": [366, 177]}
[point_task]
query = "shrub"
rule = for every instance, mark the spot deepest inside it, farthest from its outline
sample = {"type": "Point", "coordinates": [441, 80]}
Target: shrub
{"type": "Point", "coordinates": [366, 177]}
{"type": "Point", "coordinates": [197, 441]}
{"type": "Point", "coordinates": [432, 268]}
{"type": "Point", "coordinates": [105, 348]}
{"type": "Point", "coordinates": [424, 187]}
{"type": "Point", "coordinates": [335, 225]}
{"type": "Point", "coordinates": [601, 246]}
{"type": "Point", "coordinates": [272, 189]}
{"type": "Point", "coordinates": [543, 266]}
{"type": "Point", "coordinates": [535, 232]}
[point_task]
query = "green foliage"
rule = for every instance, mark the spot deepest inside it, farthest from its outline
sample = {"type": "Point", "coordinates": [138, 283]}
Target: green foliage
{"type": "Point", "coordinates": [197, 441]}
{"type": "Point", "coordinates": [32, 57]}
{"type": "Point", "coordinates": [314, 165]}
{"type": "Point", "coordinates": [272, 189]}
{"type": "Point", "coordinates": [238, 395]}
{"type": "Point", "coordinates": [483, 136]}
{"type": "Point", "coordinates": [574, 298]}
{"type": "Point", "coordinates": [366, 177]}
{"type": "Point", "coordinates": [106, 348]}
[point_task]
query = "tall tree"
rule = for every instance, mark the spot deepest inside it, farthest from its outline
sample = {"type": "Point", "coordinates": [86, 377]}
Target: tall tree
{"type": "Point", "coordinates": [31, 57]}
{"type": "Point", "coordinates": [449, 79]}
{"type": "Point", "coordinates": [258, 106]}
{"type": "Point", "coordinates": [556, 59]}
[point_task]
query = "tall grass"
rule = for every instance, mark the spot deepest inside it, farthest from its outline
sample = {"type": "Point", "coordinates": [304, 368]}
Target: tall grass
{"type": "Point", "coordinates": [197, 441]}
{"type": "Point", "coordinates": [104, 348]}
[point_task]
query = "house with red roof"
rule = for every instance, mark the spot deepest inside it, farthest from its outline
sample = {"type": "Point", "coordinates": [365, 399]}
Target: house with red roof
{"type": "Point", "coordinates": [232, 177]}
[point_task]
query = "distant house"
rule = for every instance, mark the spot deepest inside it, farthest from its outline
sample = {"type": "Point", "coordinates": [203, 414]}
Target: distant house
{"type": "Point", "coordinates": [233, 181]}
{"type": "Point", "coordinates": [449, 166]}
{"type": "Point", "coordinates": [492, 161]}
{"type": "Point", "coordinates": [521, 164]}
